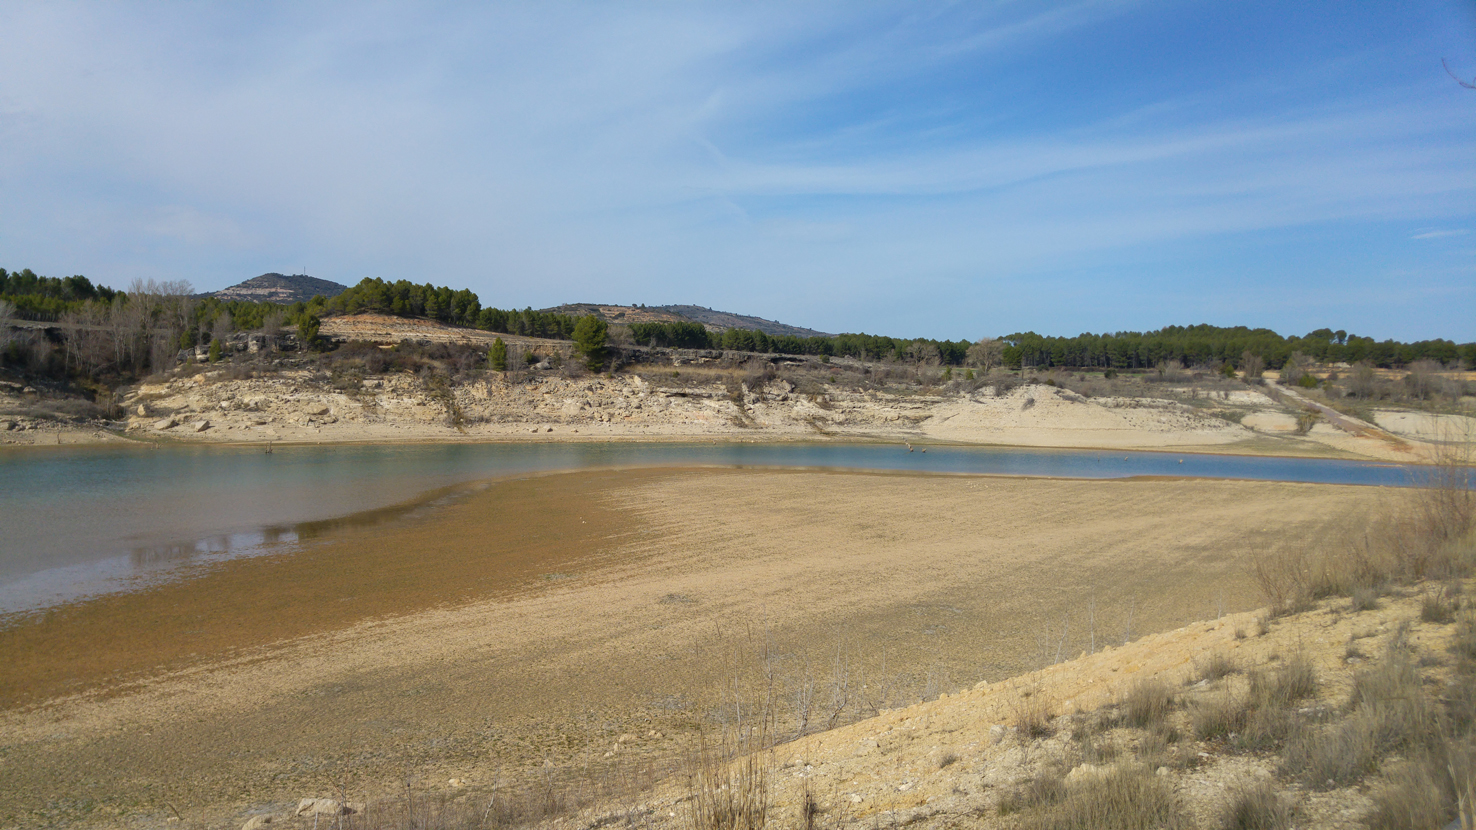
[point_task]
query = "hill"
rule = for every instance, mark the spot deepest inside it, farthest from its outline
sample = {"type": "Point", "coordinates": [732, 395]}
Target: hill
{"type": "Point", "coordinates": [713, 320]}
{"type": "Point", "coordinates": [726, 320]}
{"type": "Point", "coordinates": [281, 288]}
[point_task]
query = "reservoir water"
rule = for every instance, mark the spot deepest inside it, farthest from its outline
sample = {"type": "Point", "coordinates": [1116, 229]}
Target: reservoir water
{"type": "Point", "coordinates": [79, 522]}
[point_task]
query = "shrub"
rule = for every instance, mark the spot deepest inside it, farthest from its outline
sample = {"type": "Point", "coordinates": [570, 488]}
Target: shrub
{"type": "Point", "coordinates": [1033, 715]}
{"type": "Point", "coordinates": [1436, 608]}
{"type": "Point", "coordinates": [1128, 797]}
{"type": "Point", "coordinates": [1364, 598]}
{"type": "Point", "coordinates": [1408, 798]}
{"type": "Point", "coordinates": [497, 356]}
{"type": "Point", "coordinates": [1218, 665]}
{"type": "Point", "coordinates": [1263, 718]}
{"type": "Point", "coordinates": [1387, 711]}
{"type": "Point", "coordinates": [1217, 716]}
{"type": "Point", "coordinates": [729, 794]}
{"type": "Point", "coordinates": [1254, 806]}
{"type": "Point", "coordinates": [1148, 702]}
{"type": "Point", "coordinates": [1047, 786]}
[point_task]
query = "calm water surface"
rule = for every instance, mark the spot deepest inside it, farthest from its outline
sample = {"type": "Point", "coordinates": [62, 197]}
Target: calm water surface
{"type": "Point", "coordinates": [85, 521]}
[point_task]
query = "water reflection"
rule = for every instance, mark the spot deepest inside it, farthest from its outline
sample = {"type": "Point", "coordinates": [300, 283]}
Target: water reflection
{"type": "Point", "coordinates": [173, 554]}
{"type": "Point", "coordinates": [78, 522]}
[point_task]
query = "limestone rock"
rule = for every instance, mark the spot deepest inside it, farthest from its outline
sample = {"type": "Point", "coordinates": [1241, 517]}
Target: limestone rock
{"type": "Point", "coordinates": [142, 411]}
{"type": "Point", "coordinates": [201, 426]}
{"type": "Point", "coordinates": [320, 409]}
{"type": "Point", "coordinates": [166, 423]}
{"type": "Point", "coordinates": [1087, 772]}
{"type": "Point", "coordinates": [327, 807]}
{"type": "Point", "coordinates": [256, 822]}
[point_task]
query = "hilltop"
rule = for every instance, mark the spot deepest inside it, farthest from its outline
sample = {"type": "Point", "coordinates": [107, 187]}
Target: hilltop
{"type": "Point", "coordinates": [281, 288]}
{"type": "Point", "coordinates": [713, 320]}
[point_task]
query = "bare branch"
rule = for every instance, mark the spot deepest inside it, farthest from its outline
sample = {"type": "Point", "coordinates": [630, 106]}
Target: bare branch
{"type": "Point", "coordinates": [1467, 84]}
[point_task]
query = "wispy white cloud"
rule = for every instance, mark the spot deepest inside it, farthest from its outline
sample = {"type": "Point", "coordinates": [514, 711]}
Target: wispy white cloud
{"type": "Point", "coordinates": [547, 153]}
{"type": "Point", "coordinates": [1440, 234]}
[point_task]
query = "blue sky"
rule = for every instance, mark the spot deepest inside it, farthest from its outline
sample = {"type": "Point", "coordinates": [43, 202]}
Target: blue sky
{"type": "Point", "coordinates": [948, 170]}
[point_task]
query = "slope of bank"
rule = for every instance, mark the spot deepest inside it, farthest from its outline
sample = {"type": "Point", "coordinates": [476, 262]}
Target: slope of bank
{"type": "Point", "coordinates": [307, 404]}
{"type": "Point", "coordinates": [1132, 726]}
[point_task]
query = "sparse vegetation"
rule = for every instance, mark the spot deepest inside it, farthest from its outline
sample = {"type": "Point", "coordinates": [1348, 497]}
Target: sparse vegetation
{"type": "Point", "coordinates": [1147, 703]}
{"type": "Point", "coordinates": [1255, 805]}
{"type": "Point", "coordinates": [1218, 665]}
{"type": "Point", "coordinates": [1127, 797]}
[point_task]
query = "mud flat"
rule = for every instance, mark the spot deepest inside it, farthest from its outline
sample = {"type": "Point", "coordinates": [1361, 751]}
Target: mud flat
{"type": "Point", "coordinates": [563, 624]}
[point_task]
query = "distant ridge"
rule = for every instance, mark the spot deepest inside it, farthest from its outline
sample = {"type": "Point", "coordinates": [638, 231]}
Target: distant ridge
{"type": "Point", "coordinates": [281, 288]}
{"type": "Point", "coordinates": [727, 320]}
{"type": "Point", "coordinates": [713, 320]}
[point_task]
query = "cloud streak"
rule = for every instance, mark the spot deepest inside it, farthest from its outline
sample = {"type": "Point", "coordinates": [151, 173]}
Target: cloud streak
{"type": "Point", "coordinates": [768, 157]}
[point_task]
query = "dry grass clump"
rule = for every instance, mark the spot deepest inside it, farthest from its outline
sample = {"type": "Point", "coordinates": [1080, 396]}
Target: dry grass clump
{"type": "Point", "coordinates": [1428, 536]}
{"type": "Point", "coordinates": [728, 793]}
{"type": "Point", "coordinates": [1408, 797]}
{"type": "Point", "coordinates": [1386, 712]}
{"type": "Point", "coordinates": [1156, 748]}
{"type": "Point", "coordinates": [1126, 797]}
{"type": "Point", "coordinates": [1264, 715]}
{"type": "Point", "coordinates": [1216, 667]}
{"type": "Point", "coordinates": [1046, 787]}
{"type": "Point", "coordinates": [1148, 703]}
{"type": "Point", "coordinates": [1033, 715]}
{"type": "Point", "coordinates": [1438, 605]}
{"type": "Point", "coordinates": [1364, 598]}
{"type": "Point", "coordinates": [1255, 806]}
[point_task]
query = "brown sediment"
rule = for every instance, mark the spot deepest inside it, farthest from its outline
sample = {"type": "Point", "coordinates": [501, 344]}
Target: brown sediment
{"type": "Point", "coordinates": [365, 566]}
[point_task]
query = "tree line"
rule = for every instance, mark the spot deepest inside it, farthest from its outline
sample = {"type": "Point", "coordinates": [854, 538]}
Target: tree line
{"type": "Point", "coordinates": [1216, 346]}
{"type": "Point", "coordinates": [143, 328]}
{"type": "Point", "coordinates": [110, 332]}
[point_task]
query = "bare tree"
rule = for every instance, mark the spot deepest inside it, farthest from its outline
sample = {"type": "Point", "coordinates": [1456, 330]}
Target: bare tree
{"type": "Point", "coordinates": [1423, 380]}
{"type": "Point", "coordinates": [222, 328]}
{"type": "Point", "coordinates": [156, 314]}
{"type": "Point", "coordinates": [1252, 364]}
{"type": "Point", "coordinates": [1296, 368]}
{"type": "Point", "coordinates": [7, 311]}
{"type": "Point", "coordinates": [271, 326]}
{"type": "Point", "coordinates": [986, 354]}
{"type": "Point", "coordinates": [1361, 380]}
{"type": "Point", "coordinates": [923, 353]}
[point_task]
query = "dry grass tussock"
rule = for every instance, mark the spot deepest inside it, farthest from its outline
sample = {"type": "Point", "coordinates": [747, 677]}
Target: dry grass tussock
{"type": "Point", "coordinates": [1426, 534]}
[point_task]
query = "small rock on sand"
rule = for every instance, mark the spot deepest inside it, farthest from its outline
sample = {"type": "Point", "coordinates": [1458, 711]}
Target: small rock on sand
{"type": "Point", "coordinates": [201, 426]}
{"type": "Point", "coordinates": [327, 807]}
{"type": "Point", "coordinates": [166, 423]}
{"type": "Point", "coordinates": [256, 822]}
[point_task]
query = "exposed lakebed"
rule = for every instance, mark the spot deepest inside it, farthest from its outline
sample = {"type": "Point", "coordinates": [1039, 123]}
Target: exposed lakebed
{"type": "Point", "coordinates": [80, 522]}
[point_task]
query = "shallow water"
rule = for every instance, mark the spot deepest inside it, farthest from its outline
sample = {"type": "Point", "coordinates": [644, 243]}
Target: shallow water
{"type": "Point", "coordinates": [76, 522]}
